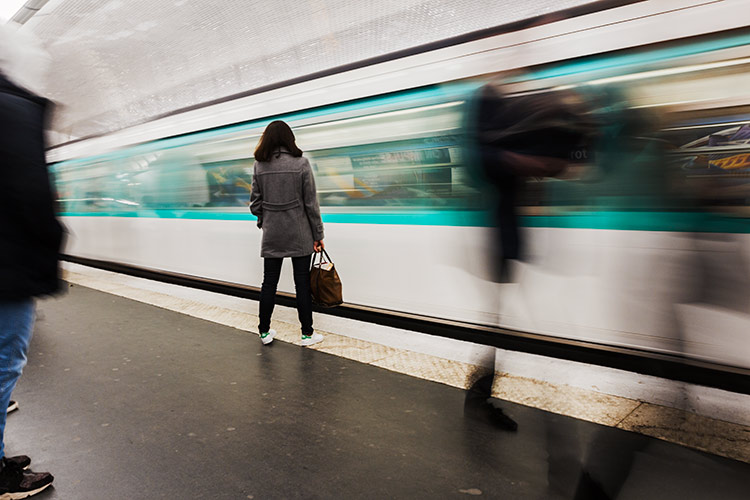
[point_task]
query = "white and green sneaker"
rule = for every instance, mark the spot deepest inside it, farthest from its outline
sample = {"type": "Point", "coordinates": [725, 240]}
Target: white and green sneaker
{"type": "Point", "coordinates": [312, 339]}
{"type": "Point", "coordinates": [267, 337]}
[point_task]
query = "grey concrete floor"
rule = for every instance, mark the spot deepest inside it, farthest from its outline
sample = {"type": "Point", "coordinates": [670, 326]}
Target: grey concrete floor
{"type": "Point", "coordinates": [122, 400]}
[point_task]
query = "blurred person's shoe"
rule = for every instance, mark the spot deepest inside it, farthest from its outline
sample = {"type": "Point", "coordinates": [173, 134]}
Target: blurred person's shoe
{"type": "Point", "coordinates": [482, 387]}
{"type": "Point", "coordinates": [478, 405]}
{"type": "Point", "coordinates": [268, 337]}
{"type": "Point", "coordinates": [498, 418]}
{"type": "Point", "coordinates": [12, 406]}
{"type": "Point", "coordinates": [484, 411]}
{"type": "Point", "coordinates": [312, 339]}
{"type": "Point", "coordinates": [17, 483]}
{"type": "Point", "coordinates": [22, 461]}
{"type": "Point", "coordinates": [589, 489]}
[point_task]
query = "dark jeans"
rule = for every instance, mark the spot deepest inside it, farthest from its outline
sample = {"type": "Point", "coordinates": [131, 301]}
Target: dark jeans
{"type": "Point", "coordinates": [506, 217]}
{"type": "Point", "coordinates": [271, 274]}
{"type": "Point", "coordinates": [16, 325]}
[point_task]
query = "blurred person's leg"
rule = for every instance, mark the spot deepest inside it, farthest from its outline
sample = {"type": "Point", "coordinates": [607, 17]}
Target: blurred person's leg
{"type": "Point", "coordinates": [608, 463]}
{"type": "Point", "coordinates": [507, 229]}
{"type": "Point", "coordinates": [508, 218]}
{"type": "Point", "coordinates": [16, 325]}
{"type": "Point", "coordinates": [563, 455]}
{"type": "Point", "coordinates": [271, 275]}
{"type": "Point", "coordinates": [479, 403]}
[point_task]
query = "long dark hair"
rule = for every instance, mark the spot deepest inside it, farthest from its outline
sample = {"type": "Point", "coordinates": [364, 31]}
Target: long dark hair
{"type": "Point", "coordinates": [276, 136]}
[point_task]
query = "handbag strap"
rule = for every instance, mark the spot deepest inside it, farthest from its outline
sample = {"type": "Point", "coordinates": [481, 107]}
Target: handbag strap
{"type": "Point", "coordinates": [328, 257]}
{"type": "Point", "coordinates": [320, 260]}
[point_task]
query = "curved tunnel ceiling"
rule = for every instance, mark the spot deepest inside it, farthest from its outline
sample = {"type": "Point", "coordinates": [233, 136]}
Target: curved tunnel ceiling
{"type": "Point", "coordinates": [120, 62]}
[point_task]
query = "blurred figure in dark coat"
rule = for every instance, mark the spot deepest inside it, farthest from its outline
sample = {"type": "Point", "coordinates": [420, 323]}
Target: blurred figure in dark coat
{"type": "Point", "coordinates": [30, 237]}
{"type": "Point", "coordinates": [515, 138]}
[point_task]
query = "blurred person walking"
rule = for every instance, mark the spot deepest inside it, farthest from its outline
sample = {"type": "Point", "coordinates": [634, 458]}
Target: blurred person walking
{"type": "Point", "coordinates": [31, 235]}
{"type": "Point", "coordinates": [285, 201]}
{"type": "Point", "coordinates": [516, 138]}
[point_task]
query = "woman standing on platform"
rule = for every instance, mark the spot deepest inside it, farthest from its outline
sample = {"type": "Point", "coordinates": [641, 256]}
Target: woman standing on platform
{"type": "Point", "coordinates": [286, 203]}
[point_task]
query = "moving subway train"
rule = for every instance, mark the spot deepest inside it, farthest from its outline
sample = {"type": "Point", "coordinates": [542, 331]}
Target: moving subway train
{"type": "Point", "coordinates": [605, 264]}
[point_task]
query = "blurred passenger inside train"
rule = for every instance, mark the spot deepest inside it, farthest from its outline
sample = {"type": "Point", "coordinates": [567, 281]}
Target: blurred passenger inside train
{"type": "Point", "coordinates": [285, 201]}
{"type": "Point", "coordinates": [31, 236]}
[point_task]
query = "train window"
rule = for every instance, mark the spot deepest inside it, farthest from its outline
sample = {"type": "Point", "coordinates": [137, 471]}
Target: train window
{"type": "Point", "coordinates": [673, 134]}
{"type": "Point", "coordinates": [409, 158]}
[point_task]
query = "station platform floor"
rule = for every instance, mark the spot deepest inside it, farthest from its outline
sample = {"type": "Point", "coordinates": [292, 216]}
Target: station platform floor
{"type": "Point", "coordinates": [122, 398]}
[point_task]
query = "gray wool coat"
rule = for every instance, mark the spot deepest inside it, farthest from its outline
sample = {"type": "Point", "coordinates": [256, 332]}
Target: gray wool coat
{"type": "Point", "coordinates": [286, 203]}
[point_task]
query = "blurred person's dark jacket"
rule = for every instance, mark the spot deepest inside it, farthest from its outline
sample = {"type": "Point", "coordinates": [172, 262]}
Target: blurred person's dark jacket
{"type": "Point", "coordinates": [30, 235]}
{"type": "Point", "coordinates": [531, 135]}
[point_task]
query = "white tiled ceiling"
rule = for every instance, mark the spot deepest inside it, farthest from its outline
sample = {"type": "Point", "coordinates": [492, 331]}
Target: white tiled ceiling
{"type": "Point", "coordinates": [121, 62]}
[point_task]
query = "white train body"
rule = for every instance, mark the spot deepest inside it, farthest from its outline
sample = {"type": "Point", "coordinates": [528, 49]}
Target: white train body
{"type": "Point", "coordinates": [424, 250]}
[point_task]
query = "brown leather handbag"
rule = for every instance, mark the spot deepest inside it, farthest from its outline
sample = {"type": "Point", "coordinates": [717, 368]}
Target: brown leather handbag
{"type": "Point", "coordinates": [324, 282]}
